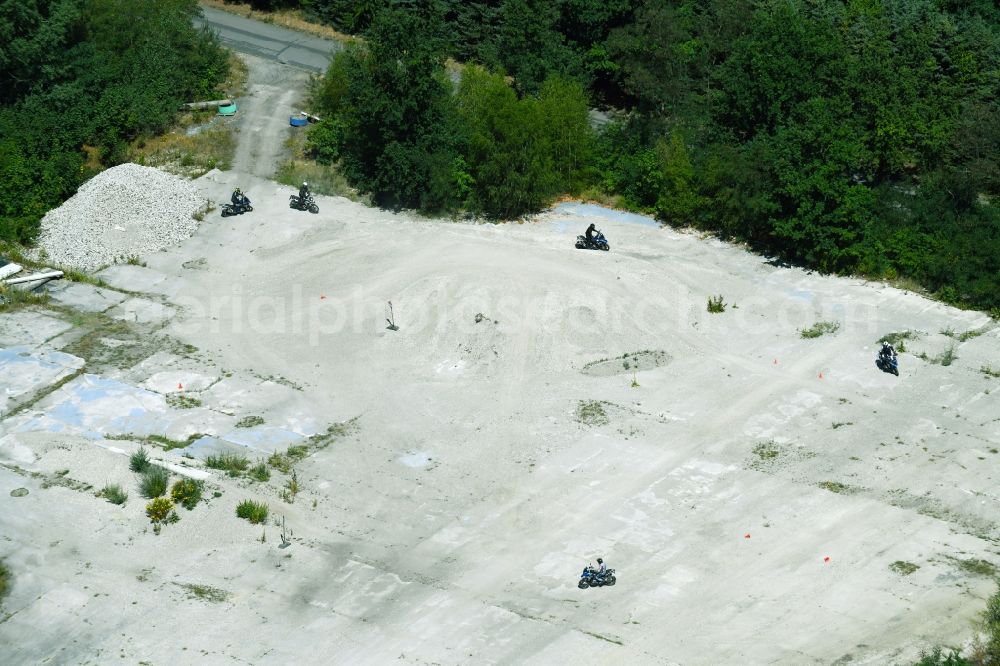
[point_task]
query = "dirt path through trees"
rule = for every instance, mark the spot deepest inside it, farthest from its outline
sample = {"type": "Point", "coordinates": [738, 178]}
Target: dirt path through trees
{"type": "Point", "coordinates": [274, 93]}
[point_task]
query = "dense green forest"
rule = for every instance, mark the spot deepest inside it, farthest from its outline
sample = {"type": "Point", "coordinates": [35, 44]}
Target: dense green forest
{"type": "Point", "coordinates": [79, 79]}
{"type": "Point", "coordinates": [854, 136]}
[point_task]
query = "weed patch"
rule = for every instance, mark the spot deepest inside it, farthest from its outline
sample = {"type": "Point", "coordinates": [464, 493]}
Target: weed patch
{"type": "Point", "coordinates": [989, 371]}
{"type": "Point", "coordinates": [182, 401]}
{"type": "Point", "coordinates": [973, 333]}
{"type": "Point", "coordinates": [820, 328]}
{"type": "Point", "coordinates": [231, 463]}
{"type": "Point", "coordinates": [61, 478]}
{"type": "Point", "coordinates": [715, 304]}
{"type": "Point", "coordinates": [591, 413]}
{"type": "Point", "coordinates": [767, 450]}
{"type": "Point", "coordinates": [280, 462]}
{"type": "Point", "coordinates": [204, 592]}
{"type": "Point", "coordinates": [975, 567]}
{"type": "Point", "coordinates": [114, 494]}
{"type": "Point", "coordinates": [187, 492]}
{"type": "Point", "coordinates": [14, 299]}
{"type": "Point", "coordinates": [154, 482]}
{"type": "Point", "coordinates": [945, 358]}
{"type": "Point", "coordinates": [898, 339]}
{"type": "Point", "coordinates": [255, 512]}
{"type": "Point", "coordinates": [903, 568]}
{"type": "Point", "coordinates": [322, 440]}
{"type": "Point", "coordinates": [260, 472]}
{"type": "Point", "coordinates": [838, 487]}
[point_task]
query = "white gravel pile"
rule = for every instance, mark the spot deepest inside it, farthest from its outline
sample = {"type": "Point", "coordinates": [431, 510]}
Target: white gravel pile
{"type": "Point", "coordinates": [126, 211]}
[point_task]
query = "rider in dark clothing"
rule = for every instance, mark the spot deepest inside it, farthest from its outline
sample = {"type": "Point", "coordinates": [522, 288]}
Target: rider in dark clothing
{"type": "Point", "coordinates": [239, 199]}
{"type": "Point", "coordinates": [591, 230]}
{"type": "Point", "coordinates": [303, 191]}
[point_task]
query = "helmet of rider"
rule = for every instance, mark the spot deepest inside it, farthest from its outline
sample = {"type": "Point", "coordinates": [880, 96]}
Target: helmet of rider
{"type": "Point", "coordinates": [305, 184]}
{"type": "Point", "coordinates": [600, 561]}
{"type": "Point", "coordinates": [239, 191]}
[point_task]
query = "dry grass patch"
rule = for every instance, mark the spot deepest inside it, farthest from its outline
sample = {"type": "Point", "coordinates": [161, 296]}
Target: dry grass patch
{"type": "Point", "coordinates": [188, 154]}
{"type": "Point", "coordinates": [322, 178]}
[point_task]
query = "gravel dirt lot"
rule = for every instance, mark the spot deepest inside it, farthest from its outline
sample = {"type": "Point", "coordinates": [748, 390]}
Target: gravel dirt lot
{"type": "Point", "coordinates": [755, 490]}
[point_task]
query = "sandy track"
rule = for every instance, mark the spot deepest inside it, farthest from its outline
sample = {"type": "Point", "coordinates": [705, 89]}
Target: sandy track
{"type": "Point", "coordinates": [452, 526]}
{"type": "Point", "coordinates": [273, 93]}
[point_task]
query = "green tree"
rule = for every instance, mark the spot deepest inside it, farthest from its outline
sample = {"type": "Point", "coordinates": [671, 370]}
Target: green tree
{"type": "Point", "coordinates": [679, 201]}
{"type": "Point", "coordinates": [393, 122]}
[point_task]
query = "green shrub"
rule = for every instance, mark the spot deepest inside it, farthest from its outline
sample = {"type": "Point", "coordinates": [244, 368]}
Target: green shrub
{"type": "Point", "coordinates": [158, 509]}
{"type": "Point", "coordinates": [298, 452]}
{"type": "Point", "coordinates": [255, 512]}
{"type": "Point", "coordinates": [114, 494]}
{"type": "Point", "coordinates": [187, 492]}
{"type": "Point", "coordinates": [937, 657]}
{"type": "Point", "coordinates": [260, 472]}
{"type": "Point", "coordinates": [231, 463]}
{"type": "Point", "coordinates": [991, 624]}
{"type": "Point", "coordinates": [948, 356]}
{"type": "Point", "coordinates": [820, 328]}
{"type": "Point", "coordinates": [280, 462]}
{"type": "Point", "coordinates": [715, 304]}
{"type": "Point", "coordinates": [139, 461]}
{"type": "Point", "coordinates": [154, 482]}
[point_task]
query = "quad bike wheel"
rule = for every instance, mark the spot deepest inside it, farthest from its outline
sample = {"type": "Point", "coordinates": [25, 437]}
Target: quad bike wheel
{"type": "Point", "coordinates": [583, 585]}
{"type": "Point", "coordinates": [610, 581]}
{"type": "Point", "coordinates": [313, 208]}
{"type": "Point", "coordinates": [226, 211]}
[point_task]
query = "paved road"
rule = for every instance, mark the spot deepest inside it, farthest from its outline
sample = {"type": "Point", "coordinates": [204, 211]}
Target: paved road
{"type": "Point", "coordinates": [270, 41]}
